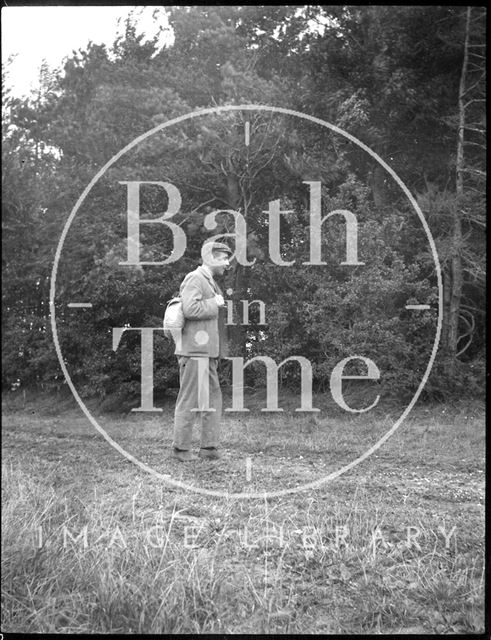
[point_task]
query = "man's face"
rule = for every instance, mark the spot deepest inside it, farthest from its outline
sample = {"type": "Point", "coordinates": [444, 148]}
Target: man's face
{"type": "Point", "coordinates": [220, 263]}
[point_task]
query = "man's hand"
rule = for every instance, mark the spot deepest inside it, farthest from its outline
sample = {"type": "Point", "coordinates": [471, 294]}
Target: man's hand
{"type": "Point", "coordinates": [220, 300]}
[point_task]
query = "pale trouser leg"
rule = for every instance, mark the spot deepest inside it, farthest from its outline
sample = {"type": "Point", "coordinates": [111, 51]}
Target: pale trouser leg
{"type": "Point", "coordinates": [188, 399]}
{"type": "Point", "coordinates": [210, 420]}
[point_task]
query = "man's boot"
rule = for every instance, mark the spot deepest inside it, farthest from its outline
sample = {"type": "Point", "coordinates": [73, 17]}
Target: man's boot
{"type": "Point", "coordinates": [184, 455]}
{"type": "Point", "coordinates": [210, 453]}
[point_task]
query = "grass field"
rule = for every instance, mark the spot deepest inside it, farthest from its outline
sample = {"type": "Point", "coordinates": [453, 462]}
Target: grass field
{"type": "Point", "coordinates": [93, 544]}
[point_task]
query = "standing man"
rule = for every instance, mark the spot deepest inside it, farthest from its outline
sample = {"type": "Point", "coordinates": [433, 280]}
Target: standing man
{"type": "Point", "coordinates": [203, 342]}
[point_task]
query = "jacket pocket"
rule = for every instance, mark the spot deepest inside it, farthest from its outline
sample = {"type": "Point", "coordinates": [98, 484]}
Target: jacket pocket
{"type": "Point", "coordinates": [200, 337]}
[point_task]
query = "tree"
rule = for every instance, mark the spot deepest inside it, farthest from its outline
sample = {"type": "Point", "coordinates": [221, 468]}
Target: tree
{"type": "Point", "coordinates": [388, 75]}
{"type": "Point", "coordinates": [28, 165]}
{"type": "Point", "coordinates": [408, 81]}
{"type": "Point", "coordinates": [469, 169]}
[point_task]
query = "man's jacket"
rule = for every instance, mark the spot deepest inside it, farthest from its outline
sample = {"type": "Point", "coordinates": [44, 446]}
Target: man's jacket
{"type": "Point", "coordinates": [204, 332]}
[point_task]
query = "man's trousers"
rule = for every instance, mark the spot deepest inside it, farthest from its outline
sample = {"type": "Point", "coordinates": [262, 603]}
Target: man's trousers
{"type": "Point", "coordinates": [199, 391]}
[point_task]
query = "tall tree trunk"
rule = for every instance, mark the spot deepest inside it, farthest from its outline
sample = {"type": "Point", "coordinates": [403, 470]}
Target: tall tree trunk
{"type": "Point", "coordinates": [447, 288]}
{"type": "Point", "coordinates": [456, 259]}
{"type": "Point", "coordinates": [455, 288]}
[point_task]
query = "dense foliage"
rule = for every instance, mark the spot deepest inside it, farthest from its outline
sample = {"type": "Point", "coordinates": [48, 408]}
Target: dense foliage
{"type": "Point", "coordinates": [391, 76]}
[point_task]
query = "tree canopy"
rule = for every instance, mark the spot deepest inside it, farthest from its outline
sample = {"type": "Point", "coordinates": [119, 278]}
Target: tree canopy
{"type": "Point", "coordinates": [406, 81]}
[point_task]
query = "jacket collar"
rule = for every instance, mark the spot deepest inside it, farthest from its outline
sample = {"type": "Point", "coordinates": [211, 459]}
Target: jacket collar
{"type": "Point", "coordinates": [203, 269]}
{"type": "Point", "coordinates": [206, 272]}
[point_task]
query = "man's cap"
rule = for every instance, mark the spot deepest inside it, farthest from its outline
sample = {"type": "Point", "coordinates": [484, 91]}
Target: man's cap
{"type": "Point", "coordinates": [216, 246]}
